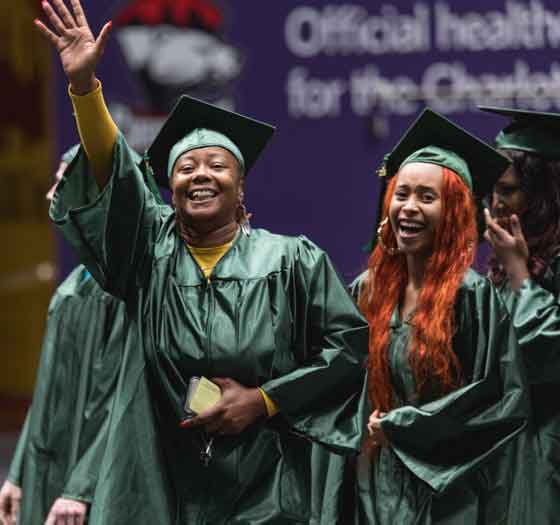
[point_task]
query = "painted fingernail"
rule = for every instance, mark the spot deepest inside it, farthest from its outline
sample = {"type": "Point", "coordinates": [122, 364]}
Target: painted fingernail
{"type": "Point", "coordinates": [110, 23]}
{"type": "Point", "coordinates": [185, 423]}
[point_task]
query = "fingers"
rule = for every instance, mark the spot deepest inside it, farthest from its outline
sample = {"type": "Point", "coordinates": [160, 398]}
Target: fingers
{"type": "Point", "coordinates": [81, 19]}
{"type": "Point", "coordinates": [64, 13]}
{"type": "Point", "coordinates": [496, 232]}
{"type": "Point", "coordinates": [516, 229]}
{"type": "Point", "coordinates": [103, 38]}
{"type": "Point", "coordinates": [53, 17]}
{"type": "Point", "coordinates": [51, 518]}
{"type": "Point", "coordinates": [204, 418]}
{"type": "Point", "coordinates": [217, 426]}
{"type": "Point", "coordinates": [15, 510]}
{"type": "Point", "coordinates": [222, 382]}
{"type": "Point", "coordinates": [488, 219]}
{"type": "Point", "coordinates": [46, 32]}
{"type": "Point", "coordinates": [65, 512]}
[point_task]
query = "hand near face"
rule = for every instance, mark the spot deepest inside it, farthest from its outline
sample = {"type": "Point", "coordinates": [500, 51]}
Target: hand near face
{"type": "Point", "coordinates": [71, 36]}
{"type": "Point", "coordinates": [238, 408]}
{"type": "Point", "coordinates": [65, 511]}
{"type": "Point", "coordinates": [10, 499]}
{"type": "Point", "coordinates": [510, 248]}
{"type": "Point", "coordinates": [374, 428]}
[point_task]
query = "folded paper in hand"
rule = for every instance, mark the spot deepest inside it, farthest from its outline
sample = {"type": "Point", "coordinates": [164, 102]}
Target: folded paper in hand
{"type": "Point", "coordinates": [201, 395]}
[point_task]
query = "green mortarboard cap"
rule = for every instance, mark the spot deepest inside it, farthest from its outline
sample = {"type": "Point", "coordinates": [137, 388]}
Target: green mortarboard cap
{"type": "Point", "coordinates": [530, 131]}
{"type": "Point", "coordinates": [434, 139]}
{"type": "Point", "coordinates": [249, 136]}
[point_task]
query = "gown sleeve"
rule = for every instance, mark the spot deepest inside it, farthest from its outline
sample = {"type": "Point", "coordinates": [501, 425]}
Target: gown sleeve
{"type": "Point", "coordinates": [446, 439]}
{"type": "Point", "coordinates": [82, 480]}
{"type": "Point", "coordinates": [16, 466]}
{"type": "Point", "coordinates": [113, 231]}
{"type": "Point", "coordinates": [324, 399]}
{"type": "Point", "coordinates": [536, 318]}
{"type": "Point", "coordinates": [90, 442]}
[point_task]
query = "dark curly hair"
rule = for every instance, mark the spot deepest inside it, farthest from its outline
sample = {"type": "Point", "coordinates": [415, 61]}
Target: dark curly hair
{"type": "Point", "coordinates": [539, 179]}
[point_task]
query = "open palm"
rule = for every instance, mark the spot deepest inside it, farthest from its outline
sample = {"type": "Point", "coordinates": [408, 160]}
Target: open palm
{"type": "Point", "coordinates": [71, 36]}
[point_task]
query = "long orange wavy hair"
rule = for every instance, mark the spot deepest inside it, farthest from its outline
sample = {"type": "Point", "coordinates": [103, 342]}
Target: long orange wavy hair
{"type": "Point", "coordinates": [435, 366]}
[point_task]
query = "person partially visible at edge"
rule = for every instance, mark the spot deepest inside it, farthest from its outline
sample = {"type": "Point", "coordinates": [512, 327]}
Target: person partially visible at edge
{"type": "Point", "coordinates": [53, 474]}
{"type": "Point", "coordinates": [264, 316]}
{"type": "Point", "coordinates": [10, 493]}
{"type": "Point", "coordinates": [523, 229]}
{"type": "Point", "coordinates": [446, 383]}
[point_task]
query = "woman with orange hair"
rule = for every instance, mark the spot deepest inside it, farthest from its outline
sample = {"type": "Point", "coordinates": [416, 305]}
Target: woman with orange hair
{"type": "Point", "coordinates": [445, 382]}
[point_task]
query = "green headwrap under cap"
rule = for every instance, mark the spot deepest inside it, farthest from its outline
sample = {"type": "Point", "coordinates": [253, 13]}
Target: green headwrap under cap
{"type": "Point", "coordinates": [531, 131]}
{"type": "Point", "coordinates": [442, 157]}
{"type": "Point", "coordinates": [530, 139]}
{"type": "Point", "coordinates": [202, 138]}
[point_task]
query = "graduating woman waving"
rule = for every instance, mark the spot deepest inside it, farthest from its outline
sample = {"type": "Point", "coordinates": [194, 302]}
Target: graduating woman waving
{"type": "Point", "coordinates": [264, 316]}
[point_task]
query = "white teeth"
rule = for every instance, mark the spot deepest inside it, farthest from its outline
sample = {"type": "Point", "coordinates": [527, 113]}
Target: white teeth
{"type": "Point", "coordinates": [411, 226]}
{"type": "Point", "coordinates": [199, 195]}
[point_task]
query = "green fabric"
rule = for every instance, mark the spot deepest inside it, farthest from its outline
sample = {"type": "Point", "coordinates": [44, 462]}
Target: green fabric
{"type": "Point", "coordinates": [445, 455]}
{"type": "Point", "coordinates": [68, 420]}
{"type": "Point", "coordinates": [15, 472]}
{"type": "Point", "coordinates": [202, 138]}
{"type": "Point", "coordinates": [433, 130]}
{"type": "Point", "coordinates": [442, 157]}
{"type": "Point", "coordinates": [536, 315]}
{"type": "Point", "coordinates": [70, 153]}
{"type": "Point", "coordinates": [531, 131]}
{"type": "Point", "coordinates": [275, 315]}
{"type": "Point", "coordinates": [531, 139]}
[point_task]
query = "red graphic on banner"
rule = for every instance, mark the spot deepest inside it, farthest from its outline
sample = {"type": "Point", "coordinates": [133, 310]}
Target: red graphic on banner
{"type": "Point", "coordinates": [188, 13]}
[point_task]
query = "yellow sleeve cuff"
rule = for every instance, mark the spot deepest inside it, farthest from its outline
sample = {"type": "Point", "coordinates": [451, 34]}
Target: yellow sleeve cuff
{"type": "Point", "coordinates": [271, 408]}
{"type": "Point", "coordinates": [98, 132]}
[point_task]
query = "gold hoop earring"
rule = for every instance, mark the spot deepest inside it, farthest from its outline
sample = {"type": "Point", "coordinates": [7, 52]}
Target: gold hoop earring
{"type": "Point", "coordinates": [383, 246]}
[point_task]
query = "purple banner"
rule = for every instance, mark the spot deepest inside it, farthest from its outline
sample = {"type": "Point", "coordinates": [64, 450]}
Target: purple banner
{"type": "Point", "coordinates": [341, 81]}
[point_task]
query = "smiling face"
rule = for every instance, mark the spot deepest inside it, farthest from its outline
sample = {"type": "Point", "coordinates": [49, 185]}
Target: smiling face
{"type": "Point", "coordinates": [508, 198]}
{"type": "Point", "coordinates": [207, 188]}
{"type": "Point", "coordinates": [415, 209]}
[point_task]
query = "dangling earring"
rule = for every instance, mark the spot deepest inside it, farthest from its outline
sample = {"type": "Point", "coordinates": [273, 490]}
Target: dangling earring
{"type": "Point", "coordinates": [384, 247]}
{"type": "Point", "coordinates": [243, 218]}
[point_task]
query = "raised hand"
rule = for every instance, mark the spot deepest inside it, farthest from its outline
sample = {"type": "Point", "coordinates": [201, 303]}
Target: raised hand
{"type": "Point", "coordinates": [10, 498]}
{"type": "Point", "coordinates": [66, 511]}
{"type": "Point", "coordinates": [510, 248]}
{"type": "Point", "coordinates": [71, 36]}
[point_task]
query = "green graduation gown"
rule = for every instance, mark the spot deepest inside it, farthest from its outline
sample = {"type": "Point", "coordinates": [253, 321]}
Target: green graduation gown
{"type": "Point", "coordinates": [15, 472]}
{"type": "Point", "coordinates": [77, 375]}
{"type": "Point", "coordinates": [275, 314]}
{"type": "Point", "coordinates": [439, 466]}
{"type": "Point", "coordinates": [535, 312]}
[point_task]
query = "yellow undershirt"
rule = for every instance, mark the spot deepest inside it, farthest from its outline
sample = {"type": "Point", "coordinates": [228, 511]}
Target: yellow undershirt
{"type": "Point", "coordinates": [98, 133]}
{"type": "Point", "coordinates": [207, 258]}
